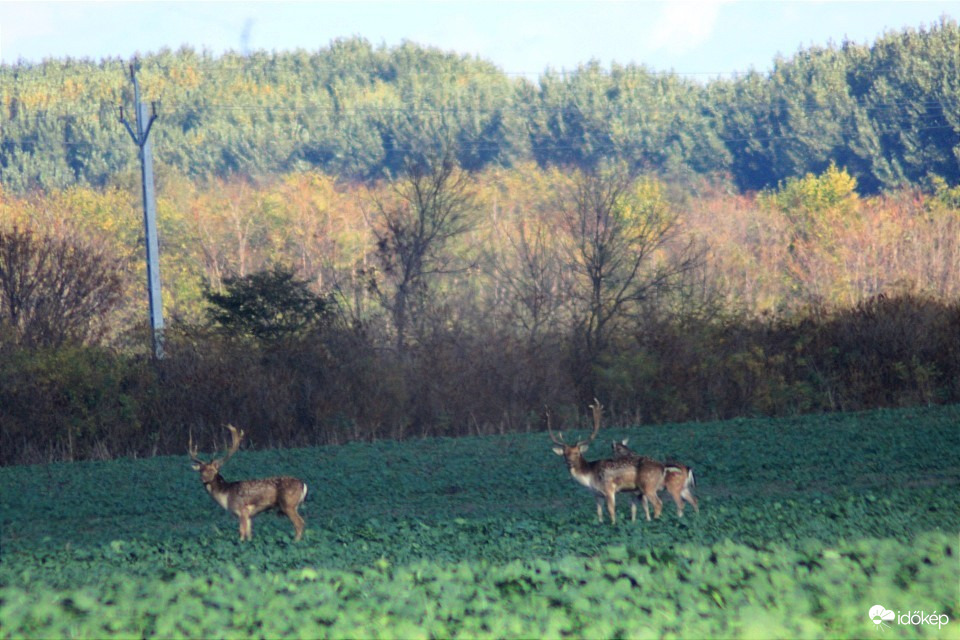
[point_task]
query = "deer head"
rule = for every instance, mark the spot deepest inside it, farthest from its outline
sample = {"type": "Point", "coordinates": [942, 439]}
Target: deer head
{"type": "Point", "coordinates": [621, 450]}
{"type": "Point", "coordinates": [574, 453]}
{"type": "Point", "coordinates": [210, 470]}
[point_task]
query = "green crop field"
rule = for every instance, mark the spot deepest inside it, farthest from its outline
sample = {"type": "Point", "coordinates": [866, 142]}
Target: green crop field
{"type": "Point", "coordinates": [805, 525]}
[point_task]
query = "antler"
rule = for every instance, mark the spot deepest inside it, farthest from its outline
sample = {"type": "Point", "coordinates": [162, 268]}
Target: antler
{"type": "Point", "coordinates": [550, 431]}
{"type": "Point", "coordinates": [192, 450]}
{"type": "Point", "coordinates": [235, 437]}
{"type": "Point", "coordinates": [597, 409]}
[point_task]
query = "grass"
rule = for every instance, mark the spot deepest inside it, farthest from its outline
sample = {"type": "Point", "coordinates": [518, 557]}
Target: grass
{"type": "Point", "coordinates": [803, 521]}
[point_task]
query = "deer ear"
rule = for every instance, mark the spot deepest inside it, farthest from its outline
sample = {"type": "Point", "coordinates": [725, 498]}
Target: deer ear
{"type": "Point", "coordinates": [195, 466]}
{"type": "Point", "coordinates": [558, 450]}
{"type": "Point", "coordinates": [584, 447]}
{"type": "Point", "coordinates": [624, 441]}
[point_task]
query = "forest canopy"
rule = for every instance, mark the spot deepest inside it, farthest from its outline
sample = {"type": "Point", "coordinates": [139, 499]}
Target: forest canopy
{"type": "Point", "coordinates": [888, 112]}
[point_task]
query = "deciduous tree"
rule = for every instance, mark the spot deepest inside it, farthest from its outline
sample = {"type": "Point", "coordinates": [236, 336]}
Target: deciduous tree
{"type": "Point", "coordinates": [431, 204]}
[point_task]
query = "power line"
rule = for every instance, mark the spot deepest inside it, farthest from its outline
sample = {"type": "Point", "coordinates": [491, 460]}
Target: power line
{"type": "Point", "coordinates": [534, 148]}
{"type": "Point", "coordinates": [615, 109]}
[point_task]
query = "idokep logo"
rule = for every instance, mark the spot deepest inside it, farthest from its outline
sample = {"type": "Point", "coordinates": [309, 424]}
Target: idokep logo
{"type": "Point", "coordinates": [880, 616]}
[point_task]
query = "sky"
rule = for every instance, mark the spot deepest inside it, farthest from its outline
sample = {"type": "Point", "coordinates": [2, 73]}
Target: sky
{"type": "Point", "coordinates": [702, 39]}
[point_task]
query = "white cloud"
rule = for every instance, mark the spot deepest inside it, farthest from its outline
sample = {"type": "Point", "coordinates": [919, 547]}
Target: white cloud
{"type": "Point", "coordinates": [684, 25]}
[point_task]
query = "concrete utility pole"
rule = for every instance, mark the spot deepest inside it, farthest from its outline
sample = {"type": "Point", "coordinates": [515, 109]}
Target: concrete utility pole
{"type": "Point", "coordinates": [142, 138]}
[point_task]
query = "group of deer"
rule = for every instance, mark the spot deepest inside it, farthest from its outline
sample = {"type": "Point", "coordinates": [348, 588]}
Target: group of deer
{"type": "Point", "coordinates": [628, 471]}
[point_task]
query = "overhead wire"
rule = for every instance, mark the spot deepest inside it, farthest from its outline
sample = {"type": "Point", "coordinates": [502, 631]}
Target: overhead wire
{"type": "Point", "coordinates": [541, 148]}
{"type": "Point", "coordinates": [606, 110]}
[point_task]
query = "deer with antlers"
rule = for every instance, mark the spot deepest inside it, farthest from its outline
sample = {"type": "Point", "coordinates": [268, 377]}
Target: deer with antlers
{"type": "Point", "coordinates": [247, 498]}
{"type": "Point", "coordinates": [678, 482]}
{"type": "Point", "coordinates": [605, 478]}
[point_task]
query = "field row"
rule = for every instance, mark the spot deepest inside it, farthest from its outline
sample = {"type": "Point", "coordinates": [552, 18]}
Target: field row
{"type": "Point", "coordinates": [725, 590]}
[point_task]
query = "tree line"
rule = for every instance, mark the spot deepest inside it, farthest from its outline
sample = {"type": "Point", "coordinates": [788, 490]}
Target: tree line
{"type": "Point", "coordinates": [888, 112]}
{"type": "Point", "coordinates": [365, 243]}
{"type": "Point", "coordinates": [449, 302]}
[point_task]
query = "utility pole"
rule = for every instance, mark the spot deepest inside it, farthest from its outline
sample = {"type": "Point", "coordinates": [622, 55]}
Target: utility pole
{"type": "Point", "coordinates": [142, 139]}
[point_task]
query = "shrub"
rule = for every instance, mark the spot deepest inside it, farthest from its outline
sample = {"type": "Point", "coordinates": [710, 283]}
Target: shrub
{"type": "Point", "coordinates": [71, 402]}
{"type": "Point", "coordinates": [55, 290]}
{"type": "Point", "coordinates": [268, 305]}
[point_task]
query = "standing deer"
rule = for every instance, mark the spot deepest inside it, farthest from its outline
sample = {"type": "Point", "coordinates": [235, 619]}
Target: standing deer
{"type": "Point", "coordinates": [247, 498]}
{"type": "Point", "coordinates": [679, 480]}
{"type": "Point", "coordinates": [604, 478]}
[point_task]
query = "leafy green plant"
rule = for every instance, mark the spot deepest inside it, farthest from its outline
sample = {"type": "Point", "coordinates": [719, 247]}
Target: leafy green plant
{"type": "Point", "coordinates": [488, 537]}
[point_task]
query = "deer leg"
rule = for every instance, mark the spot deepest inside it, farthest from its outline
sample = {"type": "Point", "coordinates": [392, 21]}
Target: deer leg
{"type": "Point", "coordinates": [633, 507]}
{"type": "Point", "coordinates": [646, 507]}
{"type": "Point", "coordinates": [297, 521]}
{"type": "Point", "coordinates": [599, 499]}
{"type": "Point", "coordinates": [612, 506]}
{"type": "Point", "coordinates": [298, 526]}
{"type": "Point", "coordinates": [246, 523]}
{"type": "Point", "coordinates": [691, 499]}
{"type": "Point", "coordinates": [657, 505]}
{"type": "Point", "coordinates": [678, 500]}
{"type": "Point", "coordinates": [289, 503]}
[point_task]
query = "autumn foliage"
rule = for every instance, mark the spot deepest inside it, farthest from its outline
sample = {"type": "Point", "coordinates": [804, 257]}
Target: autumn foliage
{"type": "Point", "coordinates": [554, 286]}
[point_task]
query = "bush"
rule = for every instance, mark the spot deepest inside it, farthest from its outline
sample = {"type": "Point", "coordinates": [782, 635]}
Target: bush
{"type": "Point", "coordinates": [885, 352]}
{"type": "Point", "coordinates": [71, 402]}
{"type": "Point", "coordinates": [268, 305]}
{"type": "Point", "coordinates": [341, 384]}
{"type": "Point", "coordinates": [55, 290]}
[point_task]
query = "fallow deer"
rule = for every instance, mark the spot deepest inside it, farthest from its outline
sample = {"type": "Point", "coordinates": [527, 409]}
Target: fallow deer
{"type": "Point", "coordinates": [679, 481]}
{"type": "Point", "coordinates": [605, 478]}
{"type": "Point", "coordinates": [247, 498]}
